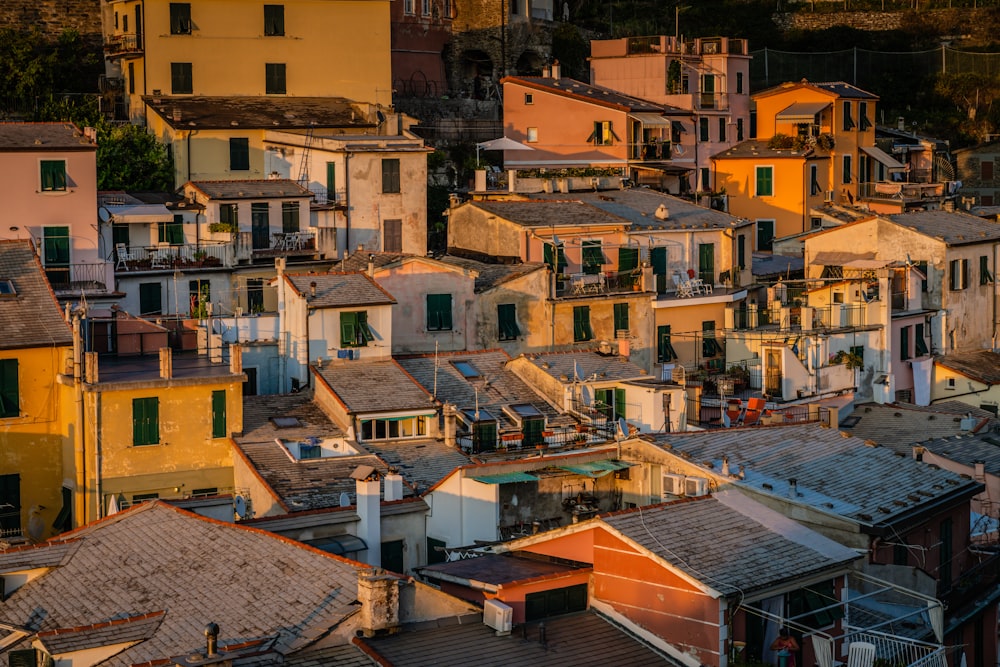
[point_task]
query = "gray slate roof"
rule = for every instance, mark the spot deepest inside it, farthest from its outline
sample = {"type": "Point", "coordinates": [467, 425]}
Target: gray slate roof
{"type": "Point", "coordinates": [572, 640]}
{"type": "Point", "coordinates": [505, 568]}
{"type": "Point", "coordinates": [594, 94]}
{"type": "Point", "coordinates": [250, 582]}
{"type": "Point", "coordinates": [954, 227]}
{"type": "Point", "coordinates": [729, 543]}
{"type": "Point", "coordinates": [835, 473]}
{"type": "Point", "coordinates": [541, 213]}
{"type": "Point", "coordinates": [491, 275]}
{"type": "Point", "coordinates": [119, 631]}
{"type": "Point", "coordinates": [638, 206]}
{"type": "Point", "coordinates": [422, 463]}
{"type": "Point", "coordinates": [981, 365]}
{"type": "Point", "coordinates": [31, 318]}
{"type": "Point", "coordinates": [343, 655]}
{"type": "Point", "coordinates": [37, 137]}
{"type": "Point", "coordinates": [593, 366]}
{"type": "Point", "coordinates": [504, 388]}
{"type": "Point", "coordinates": [753, 149]}
{"type": "Point", "coordinates": [899, 427]}
{"type": "Point", "coordinates": [368, 386]}
{"type": "Point", "coordinates": [281, 188]}
{"type": "Point", "coordinates": [969, 448]}
{"type": "Point", "coordinates": [271, 113]}
{"type": "Point", "coordinates": [27, 557]}
{"type": "Point", "coordinates": [339, 290]}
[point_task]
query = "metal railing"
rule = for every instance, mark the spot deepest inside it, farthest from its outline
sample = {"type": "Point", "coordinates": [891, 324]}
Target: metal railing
{"type": "Point", "coordinates": [158, 258]}
{"type": "Point", "coordinates": [81, 277]}
{"type": "Point", "coordinates": [124, 43]}
{"type": "Point", "coordinates": [893, 650]}
{"type": "Point", "coordinates": [607, 282]}
{"type": "Point", "coordinates": [557, 437]}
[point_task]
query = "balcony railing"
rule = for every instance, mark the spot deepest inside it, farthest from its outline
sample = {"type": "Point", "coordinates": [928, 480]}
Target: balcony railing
{"type": "Point", "coordinates": [900, 191]}
{"type": "Point", "coordinates": [650, 150]}
{"type": "Point", "coordinates": [611, 282]}
{"type": "Point", "coordinates": [80, 278]}
{"type": "Point", "coordinates": [123, 43]}
{"type": "Point", "coordinates": [894, 650]}
{"type": "Point", "coordinates": [160, 258]}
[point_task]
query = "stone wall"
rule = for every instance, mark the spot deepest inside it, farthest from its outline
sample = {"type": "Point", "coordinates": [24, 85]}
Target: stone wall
{"type": "Point", "coordinates": [54, 16]}
{"type": "Point", "coordinates": [948, 21]}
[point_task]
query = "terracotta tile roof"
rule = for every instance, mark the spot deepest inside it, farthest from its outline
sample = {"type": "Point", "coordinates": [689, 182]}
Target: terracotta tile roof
{"type": "Point", "coordinates": [339, 290]}
{"type": "Point", "coordinates": [252, 583]}
{"type": "Point", "coordinates": [30, 317]}
{"type": "Point", "coordinates": [490, 275]}
{"type": "Point", "coordinates": [834, 472]}
{"type": "Point", "coordinates": [270, 113]}
{"type": "Point", "coordinates": [36, 555]}
{"type": "Point", "coordinates": [38, 137]}
{"type": "Point", "coordinates": [368, 386]}
{"type": "Point", "coordinates": [252, 189]}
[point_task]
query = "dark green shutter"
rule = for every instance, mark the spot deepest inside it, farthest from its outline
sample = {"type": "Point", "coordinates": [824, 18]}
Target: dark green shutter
{"type": "Point", "coordinates": [289, 217]}
{"type": "Point", "coordinates": [145, 421]}
{"type": "Point", "coordinates": [439, 312]}
{"type": "Point", "coordinates": [741, 253]}
{"type": "Point", "coordinates": [628, 259]}
{"type": "Point", "coordinates": [9, 394]}
{"type": "Point", "coordinates": [581, 324]}
{"type": "Point", "coordinates": [219, 413]}
{"type": "Point", "coordinates": [27, 657]}
{"type": "Point", "coordinates": [239, 154]}
{"type": "Point", "coordinates": [53, 175]}
{"type": "Point", "coordinates": [348, 329]}
{"type": "Point", "coordinates": [593, 257]}
{"type": "Point", "coordinates": [658, 258]}
{"type": "Point", "coordinates": [532, 430]}
{"type": "Point", "coordinates": [150, 299]}
{"type": "Point", "coordinates": [274, 20]}
{"type": "Point", "coordinates": [664, 350]}
{"type": "Point", "coordinates": [619, 403]}
{"type": "Point", "coordinates": [621, 317]}
{"type": "Point", "coordinates": [706, 263]}
{"type": "Point", "coordinates": [921, 346]}
{"type": "Point", "coordinates": [274, 78]}
{"type": "Point", "coordinates": [557, 260]}
{"type": "Point", "coordinates": [507, 318]}
{"type": "Point", "coordinates": [363, 330]}
{"type": "Point", "coordinates": [331, 180]}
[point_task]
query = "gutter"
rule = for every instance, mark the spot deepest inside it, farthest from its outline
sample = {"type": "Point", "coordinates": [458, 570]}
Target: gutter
{"type": "Point", "coordinates": [910, 521]}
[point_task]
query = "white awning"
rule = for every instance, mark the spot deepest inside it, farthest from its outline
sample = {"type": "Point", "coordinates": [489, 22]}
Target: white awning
{"type": "Point", "coordinates": [650, 119]}
{"type": "Point", "coordinates": [140, 213]}
{"type": "Point", "coordinates": [880, 155]}
{"type": "Point", "coordinates": [801, 112]}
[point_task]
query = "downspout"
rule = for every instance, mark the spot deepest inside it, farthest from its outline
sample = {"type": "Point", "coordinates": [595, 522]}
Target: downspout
{"type": "Point", "coordinates": [347, 204]}
{"type": "Point", "coordinates": [97, 456]}
{"type": "Point", "coordinates": [80, 509]}
{"type": "Point", "coordinates": [187, 150]}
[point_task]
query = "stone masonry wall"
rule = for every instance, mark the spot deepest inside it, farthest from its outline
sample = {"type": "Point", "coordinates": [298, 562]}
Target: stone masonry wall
{"type": "Point", "coordinates": [54, 16]}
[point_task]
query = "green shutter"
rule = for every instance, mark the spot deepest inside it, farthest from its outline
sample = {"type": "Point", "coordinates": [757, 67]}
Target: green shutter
{"type": "Point", "coordinates": [619, 403]}
{"type": "Point", "coordinates": [507, 318]}
{"type": "Point", "coordinates": [53, 173]}
{"type": "Point", "coordinates": [145, 421]}
{"type": "Point", "coordinates": [621, 317]}
{"type": "Point", "coordinates": [581, 324]}
{"type": "Point", "coordinates": [27, 657]}
{"type": "Point", "coordinates": [706, 263]}
{"type": "Point", "coordinates": [628, 259]}
{"type": "Point", "coordinates": [593, 257]}
{"type": "Point", "coordinates": [56, 246]}
{"type": "Point", "coordinates": [658, 258]}
{"type": "Point", "coordinates": [239, 154]}
{"type": "Point", "coordinates": [9, 394]}
{"type": "Point", "coordinates": [664, 350]}
{"type": "Point", "coordinates": [532, 430]}
{"type": "Point", "coordinates": [219, 413]}
{"type": "Point", "coordinates": [549, 250]}
{"type": "Point", "coordinates": [274, 78]}
{"type": "Point", "coordinates": [765, 182]}
{"type": "Point", "coordinates": [150, 299]}
{"type": "Point", "coordinates": [363, 328]}
{"type": "Point", "coordinates": [439, 312]}
{"type": "Point", "coordinates": [331, 180]}
{"type": "Point", "coordinates": [348, 329]}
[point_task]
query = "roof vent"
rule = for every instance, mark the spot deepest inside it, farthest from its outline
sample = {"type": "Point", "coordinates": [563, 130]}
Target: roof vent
{"type": "Point", "coordinates": [662, 212]}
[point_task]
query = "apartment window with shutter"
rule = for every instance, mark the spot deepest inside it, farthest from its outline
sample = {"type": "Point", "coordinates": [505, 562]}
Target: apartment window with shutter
{"type": "Point", "coordinates": [921, 340]}
{"type": "Point", "coordinates": [765, 181]}
{"type": "Point", "coordinates": [507, 318]}
{"type": "Point", "coordinates": [53, 175]}
{"type": "Point", "coordinates": [593, 257]}
{"type": "Point", "coordinates": [603, 134]}
{"type": "Point", "coordinates": [958, 274]}
{"type": "Point", "coordinates": [556, 260]}
{"type": "Point", "coordinates": [664, 350]}
{"type": "Point", "coordinates": [739, 83]}
{"type": "Point", "coordinates": [703, 129]}
{"type": "Point", "coordinates": [848, 119]}
{"type": "Point", "coordinates": [274, 20]}
{"type": "Point", "coordinates": [814, 188]}
{"type": "Point", "coordinates": [171, 232]}
{"type": "Point", "coordinates": [532, 135]}
{"type": "Point", "coordinates": [722, 129]}
{"type": "Point", "coordinates": [219, 414]}
{"type": "Point", "coordinates": [181, 80]}
{"type": "Point", "coordinates": [847, 169]}
{"type": "Point", "coordinates": [180, 18]}
{"type": "Point", "coordinates": [439, 312]}
{"type": "Point", "coordinates": [581, 324]}
{"type": "Point", "coordinates": [354, 329]}
{"type": "Point", "coordinates": [239, 154]}
{"type": "Point", "coordinates": [529, 98]}
{"type": "Point", "coordinates": [289, 217]}
{"type": "Point", "coordinates": [408, 7]}
{"type": "Point", "coordinates": [985, 275]}
{"type": "Point", "coordinates": [229, 214]}
{"type": "Point", "coordinates": [986, 170]}
{"type": "Point", "coordinates": [709, 345]}
{"type": "Point", "coordinates": [10, 401]}
{"type": "Point", "coordinates": [145, 421]}
{"type": "Point", "coordinates": [863, 115]}
{"type": "Point", "coordinates": [425, 7]}
{"type": "Point", "coordinates": [274, 78]}
{"type": "Point", "coordinates": [390, 176]}
{"type": "Point", "coordinates": [904, 343]}
{"type": "Point", "coordinates": [331, 181]}
{"type": "Point", "coordinates": [621, 317]}
{"type": "Point", "coordinates": [393, 241]}
{"type": "Point", "coordinates": [150, 299]}
{"type": "Point", "coordinates": [739, 129]}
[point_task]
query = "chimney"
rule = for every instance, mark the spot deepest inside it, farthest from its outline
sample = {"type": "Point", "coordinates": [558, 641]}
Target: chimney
{"type": "Point", "coordinates": [166, 363]}
{"type": "Point", "coordinates": [369, 500]}
{"type": "Point", "coordinates": [450, 424]}
{"type": "Point", "coordinates": [312, 289]}
{"type": "Point", "coordinates": [793, 488]}
{"type": "Point", "coordinates": [371, 267]}
{"type": "Point", "coordinates": [725, 465]}
{"type": "Point", "coordinates": [90, 371]}
{"type": "Point", "coordinates": [378, 594]}
{"type": "Point", "coordinates": [662, 212]}
{"type": "Point", "coordinates": [556, 70]}
{"type": "Point", "coordinates": [393, 486]}
{"type": "Point", "coordinates": [546, 71]}
{"type": "Point", "coordinates": [211, 640]}
{"type": "Point", "coordinates": [980, 470]}
{"type": "Point", "coordinates": [235, 359]}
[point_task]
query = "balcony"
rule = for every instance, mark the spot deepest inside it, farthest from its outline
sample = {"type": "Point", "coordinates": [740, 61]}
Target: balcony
{"type": "Point", "coordinates": [123, 44]}
{"type": "Point", "coordinates": [137, 259]}
{"type": "Point", "coordinates": [596, 284]}
{"type": "Point", "coordinates": [653, 151]}
{"type": "Point", "coordinates": [79, 278]}
{"type": "Point", "coordinates": [896, 191]}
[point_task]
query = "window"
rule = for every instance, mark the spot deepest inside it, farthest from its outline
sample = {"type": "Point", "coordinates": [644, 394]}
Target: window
{"type": "Point", "coordinates": [858, 351]}
{"type": "Point", "coordinates": [354, 330]}
{"type": "Point", "coordinates": [722, 129]}
{"type": "Point", "coordinates": [390, 175]}
{"type": "Point", "coordinates": [446, 9]}
{"type": "Point", "coordinates": [676, 129]}
{"type": "Point", "coordinates": [765, 182]}
{"type": "Point", "coordinates": [289, 217]}
{"type": "Point", "coordinates": [703, 129]}
{"type": "Point", "coordinates": [741, 252]}
{"type": "Point", "coordinates": [815, 223]}
{"type": "Point", "coordinates": [255, 295]}
{"type": "Point", "coordinates": [56, 254]}
{"type": "Point", "coordinates": [986, 170]}
{"type": "Point", "coordinates": [706, 177]}
{"type": "Point", "coordinates": [274, 20]}
{"type": "Point", "coordinates": [958, 278]}
{"type": "Point", "coordinates": [181, 82]}
{"type": "Point", "coordinates": [664, 350]}
{"type": "Point", "coordinates": [435, 551]}
{"type": "Point", "coordinates": [706, 263]}
{"type": "Point", "coordinates": [408, 7]}
{"type": "Point", "coordinates": [180, 18]}
{"type": "Point", "coordinates": [10, 404]}
{"type": "Point", "coordinates": [229, 213]}
{"type": "Point", "coordinates": [425, 7]}
{"type": "Point", "coordinates": [904, 343]}
{"type": "Point", "coordinates": [150, 299]}
{"type": "Point", "coordinates": [986, 200]}
{"type": "Point", "coordinates": [331, 181]}
{"type": "Point", "coordinates": [555, 602]}
{"type": "Point", "coordinates": [765, 234]}
{"type": "Point", "coordinates": [621, 317]}
{"type": "Point", "coordinates": [393, 240]}
{"type": "Point", "coordinates": [920, 340]}
{"type": "Point", "coordinates": [811, 606]}
{"type": "Point", "coordinates": [610, 402]}
{"type": "Point", "coordinates": [382, 429]}
{"type": "Point", "coordinates": [145, 421]}
{"type": "Point", "coordinates": [199, 296]}
{"type": "Point", "coordinates": [219, 413]}
{"type": "Point", "coordinates": [171, 232]}
{"type": "Point", "coordinates": [507, 319]}
{"type": "Point", "coordinates": [581, 324]}
{"type": "Point", "coordinates": [513, 7]}
{"type": "Point", "coordinates": [439, 312]}
{"type": "Point", "coordinates": [739, 83]}
{"type": "Point", "coordinates": [603, 135]}
{"type": "Point", "coordinates": [739, 129]}
{"type": "Point", "coordinates": [847, 169]}
{"type": "Point", "coordinates": [848, 119]}
{"type": "Point", "coordinates": [274, 78]}
{"type": "Point", "coordinates": [922, 267]}
{"type": "Point", "coordinates": [53, 174]}
{"type": "Point", "coordinates": [814, 188]}
{"type": "Point", "coordinates": [709, 345]}
{"type": "Point", "coordinates": [10, 505]}
{"type": "Point", "coordinates": [131, 78]}
{"type": "Point", "coordinates": [529, 98]}
{"type": "Point", "coordinates": [628, 258]}
{"type": "Point", "coordinates": [532, 135]}
{"type": "Point", "coordinates": [593, 257]}
{"type": "Point", "coordinates": [239, 154]}
{"type": "Point", "coordinates": [950, 383]}
{"type": "Point", "coordinates": [863, 115]}
{"type": "Point", "coordinates": [557, 260]}
{"type": "Point", "coordinates": [985, 275]}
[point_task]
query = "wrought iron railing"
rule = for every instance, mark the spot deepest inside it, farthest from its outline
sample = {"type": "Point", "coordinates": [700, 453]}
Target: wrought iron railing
{"type": "Point", "coordinates": [80, 277]}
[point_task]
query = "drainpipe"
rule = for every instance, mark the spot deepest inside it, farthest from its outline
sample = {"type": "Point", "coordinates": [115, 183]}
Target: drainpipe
{"type": "Point", "coordinates": [80, 509]}
{"type": "Point", "coordinates": [347, 203]}
{"type": "Point", "coordinates": [97, 454]}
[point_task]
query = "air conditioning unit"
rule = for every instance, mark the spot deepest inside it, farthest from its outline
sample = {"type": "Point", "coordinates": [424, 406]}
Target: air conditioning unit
{"type": "Point", "coordinates": [673, 485]}
{"type": "Point", "coordinates": [498, 616]}
{"type": "Point", "coordinates": [828, 196]}
{"type": "Point", "coordinates": [695, 486]}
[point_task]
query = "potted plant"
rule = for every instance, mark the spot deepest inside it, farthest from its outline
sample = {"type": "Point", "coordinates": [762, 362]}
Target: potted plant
{"type": "Point", "coordinates": [223, 227]}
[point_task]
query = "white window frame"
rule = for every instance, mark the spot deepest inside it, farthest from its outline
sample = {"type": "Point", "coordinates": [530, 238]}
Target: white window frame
{"type": "Point", "coordinates": [532, 135]}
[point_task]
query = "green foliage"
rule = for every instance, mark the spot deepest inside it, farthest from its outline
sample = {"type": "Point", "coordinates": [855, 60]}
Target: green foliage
{"type": "Point", "coordinates": [130, 158]}
{"type": "Point", "coordinates": [32, 64]}
{"type": "Point", "coordinates": [223, 227]}
{"type": "Point", "coordinates": [571, 49]}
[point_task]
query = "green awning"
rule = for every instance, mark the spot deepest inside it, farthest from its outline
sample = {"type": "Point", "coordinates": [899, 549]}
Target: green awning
{"type": "Point", "coordinates": [596, 468]}
{"type": "Point", "coordinates": [506, 478]}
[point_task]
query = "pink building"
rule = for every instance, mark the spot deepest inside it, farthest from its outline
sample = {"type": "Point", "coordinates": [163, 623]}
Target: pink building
{"type": "Point", "coordinates": [420, 31]}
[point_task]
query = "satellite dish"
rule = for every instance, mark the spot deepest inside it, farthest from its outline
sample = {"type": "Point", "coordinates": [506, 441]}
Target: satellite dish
{"type": "Point", "coordinates": [104, 214]}
{"type": "Point", "coordinates": [623, 427]}
{"type": "Point", "coordinates": [345, 500]}
{"type": "Point", "coordinates": [678, 149]}
{"type": "Point", "coordinates": [577, 371]}
{"type": "Point", "coordinates": [240, 503]}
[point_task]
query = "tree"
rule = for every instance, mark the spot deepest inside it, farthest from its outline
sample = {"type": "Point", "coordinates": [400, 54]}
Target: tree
{"type": "Point", "coordinates": [130, 158]}
{"type": "Point", "coordinates": [973, 94]}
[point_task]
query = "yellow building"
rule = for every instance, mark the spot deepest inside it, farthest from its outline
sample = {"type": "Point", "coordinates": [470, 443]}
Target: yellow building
{"type": "Point", "coordinates": [34, 499]}
{"type": "Point", "coordinates": [158, 426]}
{"type": "Point", "coordinates": [815, 143]}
